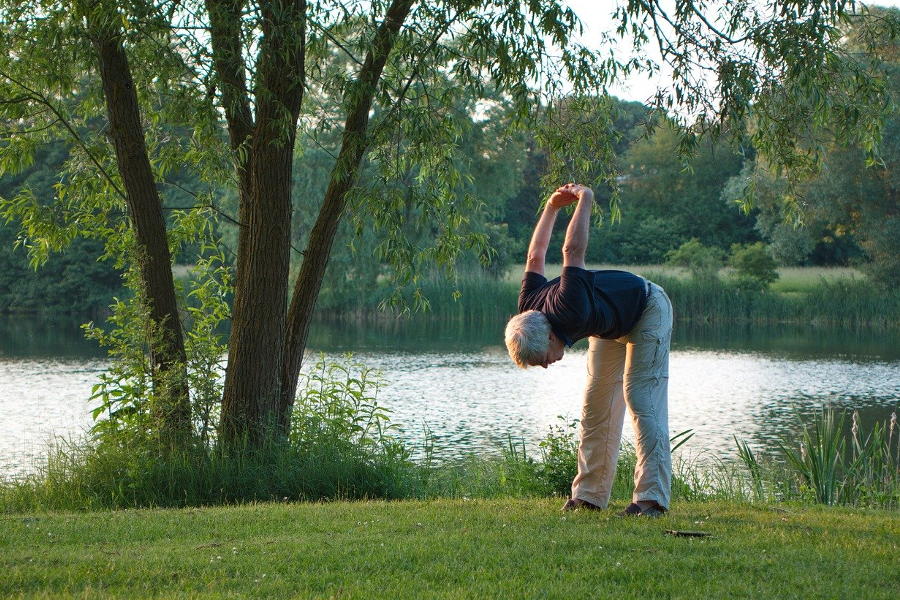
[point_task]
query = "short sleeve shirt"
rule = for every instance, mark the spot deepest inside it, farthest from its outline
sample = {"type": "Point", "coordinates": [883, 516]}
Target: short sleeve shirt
{"type": "Point", "coordinates": [581, 303]}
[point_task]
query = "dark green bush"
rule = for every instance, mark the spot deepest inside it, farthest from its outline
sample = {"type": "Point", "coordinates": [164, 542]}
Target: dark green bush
{"type": "Point", "coordinates": [702, 261]}
{"type": "Point", "coordinates": [754, 267]}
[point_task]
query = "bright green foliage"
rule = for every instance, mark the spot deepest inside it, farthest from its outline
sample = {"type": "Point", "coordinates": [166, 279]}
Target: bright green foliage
{"type": "Point", "coordinates": [754, 266]}
{"type": "Point", "coordinates": [559, 456]}
{"type": "Point", "coordinates": [338, 405]}
{"type": "Point", "coordinates": [702, 261]}
{"type": "Point", "coordinates": [126, 394]}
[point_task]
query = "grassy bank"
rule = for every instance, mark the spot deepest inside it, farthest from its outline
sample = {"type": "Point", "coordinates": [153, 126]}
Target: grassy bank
{"type": "Point", "coordinates": [838, 297]}
{"type": "Point", "coordinates": [450, 549]}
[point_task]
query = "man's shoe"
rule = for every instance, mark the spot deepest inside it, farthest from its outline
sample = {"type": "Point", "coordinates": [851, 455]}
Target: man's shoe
{"type": "Point", "coordinates": [633, 510]}
{"type": "Point", "coordinates": [653, 512]}
{"type": "Point", "coordinates": [576, 503]}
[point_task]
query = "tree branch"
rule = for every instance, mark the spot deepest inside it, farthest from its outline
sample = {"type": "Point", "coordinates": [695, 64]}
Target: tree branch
{"type": "Point", "coordinates": [40, 98]}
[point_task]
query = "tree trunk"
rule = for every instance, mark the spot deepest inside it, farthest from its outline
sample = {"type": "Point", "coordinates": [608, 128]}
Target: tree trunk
{"type": "Point", "coordinates": [167, 354]}
{"type": "Point", "coordinates": [256, 346]}
{"type": "Point", "coordinates": [343, 177]}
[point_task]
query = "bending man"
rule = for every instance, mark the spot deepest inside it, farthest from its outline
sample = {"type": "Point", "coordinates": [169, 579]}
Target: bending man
{"type": "Point", "coordinates": [629, 322]}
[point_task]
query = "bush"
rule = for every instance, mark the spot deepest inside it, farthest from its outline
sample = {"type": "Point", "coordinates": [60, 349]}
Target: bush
{"type": "Point", "coordinates": [702, 261]}
{"type": "Point", "coordinates": [755, 268]}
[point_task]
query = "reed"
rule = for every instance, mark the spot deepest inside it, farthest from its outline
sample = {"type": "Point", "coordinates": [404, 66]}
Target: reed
{"type": "Point", "coordinates": [827, 466]}
{"type": "Point", "coordinates": [837, 301]}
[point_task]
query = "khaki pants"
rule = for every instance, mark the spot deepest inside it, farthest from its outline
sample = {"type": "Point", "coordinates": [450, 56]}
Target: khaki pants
{"type": "Point", "coordinates": [632, 370]}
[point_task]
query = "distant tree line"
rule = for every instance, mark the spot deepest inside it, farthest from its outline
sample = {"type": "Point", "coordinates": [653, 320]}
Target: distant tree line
{"type": "Point", "coordinates": [665, 199]}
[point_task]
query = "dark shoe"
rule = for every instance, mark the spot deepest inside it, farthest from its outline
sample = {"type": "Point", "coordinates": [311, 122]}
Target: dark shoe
{"type": "Point", "coordinates": [653, 512]}
{"type": "Point", "coordinates": [576, 503]}
{"type": "Point", "coordinates": [633, 510]}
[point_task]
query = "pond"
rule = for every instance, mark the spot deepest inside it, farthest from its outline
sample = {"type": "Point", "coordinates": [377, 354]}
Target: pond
{"type": "Point", "coordinates": [455, 382]}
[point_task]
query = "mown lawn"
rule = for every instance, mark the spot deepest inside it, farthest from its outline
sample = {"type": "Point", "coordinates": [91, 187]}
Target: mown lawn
{"type": "Point", "coordinates": [450, 549]}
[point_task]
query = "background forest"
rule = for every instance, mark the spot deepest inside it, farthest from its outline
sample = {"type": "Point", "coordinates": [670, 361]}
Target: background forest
{"type": "Point", "coordinates": [846, 215]}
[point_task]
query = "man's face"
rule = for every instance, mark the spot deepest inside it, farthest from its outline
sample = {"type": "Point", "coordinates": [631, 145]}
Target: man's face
{"type": "Point", "coordinates": [555, 351]}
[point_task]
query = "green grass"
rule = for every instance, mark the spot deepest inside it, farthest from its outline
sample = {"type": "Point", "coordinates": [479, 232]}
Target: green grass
{"type": "Point", "coordinates": [449, 549]}
{"type": "Point", "coordinates": [806, 279]}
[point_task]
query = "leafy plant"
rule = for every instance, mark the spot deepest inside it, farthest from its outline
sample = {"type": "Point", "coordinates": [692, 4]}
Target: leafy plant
{"type": "Point", "coordinates": [559, 456]}
{"type": "Point", "coordinates": [702, 261]}
{"type": "Point", "coordinates": [338, 404]}
{"type": "Point", "coordinates": [755, 267]}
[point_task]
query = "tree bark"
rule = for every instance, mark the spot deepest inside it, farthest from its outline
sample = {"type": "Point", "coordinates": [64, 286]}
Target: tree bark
{"type": "Point", "coordinates": [167, 354]}
{"type": "Point", "coordinates": [343, 177]}
{"type": "Point", "coordinates": [256, 344]}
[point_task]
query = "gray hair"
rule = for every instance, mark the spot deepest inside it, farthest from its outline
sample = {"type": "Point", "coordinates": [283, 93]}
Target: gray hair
{"type": "Point", "coordinates": [527, 337]}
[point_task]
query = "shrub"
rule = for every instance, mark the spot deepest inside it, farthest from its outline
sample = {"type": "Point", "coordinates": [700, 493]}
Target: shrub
{"type": "Point", "coordinates": [339, 447]}
{"type": "Point", "coordinates": [702, 261]}
{"type": "Point", "coordinates": [755, 268]}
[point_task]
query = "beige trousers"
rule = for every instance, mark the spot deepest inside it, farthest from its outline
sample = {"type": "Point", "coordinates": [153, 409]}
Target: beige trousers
{"type": "Point", "coordinates": [632, 370]}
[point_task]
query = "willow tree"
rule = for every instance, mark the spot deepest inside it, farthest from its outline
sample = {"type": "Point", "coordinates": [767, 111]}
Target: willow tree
{"type": "Point", "coordinates": [389, 76]}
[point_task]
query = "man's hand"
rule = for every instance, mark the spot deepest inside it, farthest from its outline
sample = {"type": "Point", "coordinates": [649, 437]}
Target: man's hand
{"type": "Point", "coordinates": [558, 199]}
{"type": "Point", "coordinates": [575, 245]}
{"type": "Point", "coordinates": [577, 190]}
{"type": "Point", "coordinates": [568, 194]}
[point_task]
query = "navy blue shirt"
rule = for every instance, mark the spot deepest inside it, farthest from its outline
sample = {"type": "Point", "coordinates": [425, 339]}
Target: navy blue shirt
{"type": "Point", "coordinates": [580, 303]}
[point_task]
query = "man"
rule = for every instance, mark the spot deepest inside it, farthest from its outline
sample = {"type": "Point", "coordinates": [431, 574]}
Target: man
{"type": "Point", "coordinates": [629, 322]}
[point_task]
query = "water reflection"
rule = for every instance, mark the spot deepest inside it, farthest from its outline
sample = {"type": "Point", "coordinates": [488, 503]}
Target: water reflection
{"type": "Point", "coordinates": [789, 341]}
{"type": "Point", "coordinates": [455, 380]}
{"type": "Point", "coordinates": [35, 336]}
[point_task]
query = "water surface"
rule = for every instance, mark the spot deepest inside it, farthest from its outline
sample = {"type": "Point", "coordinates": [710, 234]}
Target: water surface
{"type": "Point", "coordinates": [456, 382]}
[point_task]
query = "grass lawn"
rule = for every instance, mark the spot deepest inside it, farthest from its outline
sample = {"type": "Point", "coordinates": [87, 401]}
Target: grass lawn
{"type": "Point", "coordinates": [450, 549]}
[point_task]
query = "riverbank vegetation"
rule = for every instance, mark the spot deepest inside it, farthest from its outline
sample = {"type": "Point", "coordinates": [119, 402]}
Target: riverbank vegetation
{"type": "Point", "coordinates": [816, 296]}
{"type": "Point", "coordinates": [460, 548]}
{"type": "Point", "coordinates": [342, 446]}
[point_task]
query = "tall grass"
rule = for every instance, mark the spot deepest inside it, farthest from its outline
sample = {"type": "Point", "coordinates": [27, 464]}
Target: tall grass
{"type": "Point", "coordinates": [820, 455]}
{"type": "Point", "coordinates": [850, 302]}
{"type": "Point", "coordinates": [843, 303]}
{"type": "Point", "coordinates": [340, 447]}
{"type": "Point", "coordinates": [827, 466]}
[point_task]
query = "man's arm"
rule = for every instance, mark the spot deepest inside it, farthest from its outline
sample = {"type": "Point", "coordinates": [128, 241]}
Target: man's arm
{"type": "Point", "coordinates": [540, 239]}
{"type": "Point", "coordinates": [575, 245]}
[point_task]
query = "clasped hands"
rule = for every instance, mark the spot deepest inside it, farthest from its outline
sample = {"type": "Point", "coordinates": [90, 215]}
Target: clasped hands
{"type": "Point", "coordinates": [568, 194]}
